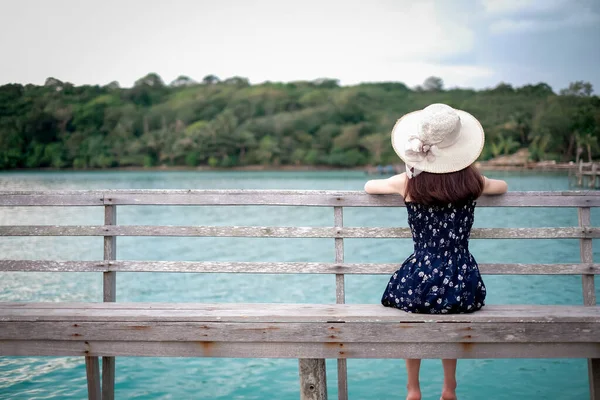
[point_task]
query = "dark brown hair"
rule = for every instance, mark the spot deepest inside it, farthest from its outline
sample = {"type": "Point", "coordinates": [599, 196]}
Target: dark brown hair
{"type": "Point", "coordinates": [437, 189]}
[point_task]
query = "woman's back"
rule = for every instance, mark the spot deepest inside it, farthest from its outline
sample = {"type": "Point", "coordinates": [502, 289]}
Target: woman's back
{"type": "Point", "coordinates": [436, 228]}
{"type": "Point", "coordinates": [440, 276]}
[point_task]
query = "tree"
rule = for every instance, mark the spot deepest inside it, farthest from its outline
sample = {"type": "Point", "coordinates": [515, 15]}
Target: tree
{"type": "Point", "coordinates": [182, 80]}
{"type": "Point", "coordinates": [538, 148]}
{"type": "Point", "coordinates": [151, 80]}
{"type": "Point", "coordinates": [503, 88]}
{"type": "Point", "coordinates": [210, 79]}
{"type": "Point", "coordinates": [327, 83]}
{"type": "Point", "coordinates": [349, 137]}
{"type": "Point", "coordinates": [267, 150]}
{"type": "Point", "coordinates": [237, 81]}
{"type": "Point", "coordinates": [376, 145]}
{"type": "Point", "coordinates": [555, 118]}
{"type": "Point", "coordinates": [579, 88]}
{"type": "Point", "coordinates": [589, 142]}
{"type": "Point", "coordinates": [148, 90]}
{"type": "Point", "coordinates": [54, 83]}
{"type": "Point", "coordinates": [433, 84]}
{"type": "Point", "coordinates": [520, 122]}
{"type": "Point", "coordinates": [539, 90]}
{"type": "Point", "coordinates": [114, 85]}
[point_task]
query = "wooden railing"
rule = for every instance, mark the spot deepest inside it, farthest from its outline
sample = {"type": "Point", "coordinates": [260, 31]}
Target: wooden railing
{"type": "Point", "coordinates": [312, 370]}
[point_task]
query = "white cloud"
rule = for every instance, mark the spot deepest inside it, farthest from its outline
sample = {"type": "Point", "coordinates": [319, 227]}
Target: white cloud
{"type": "Point", "coordinates": [261, 39]}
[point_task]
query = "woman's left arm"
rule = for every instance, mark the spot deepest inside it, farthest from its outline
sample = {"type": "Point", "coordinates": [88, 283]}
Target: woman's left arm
{"type": "Point", "coordinates": [393, 185]}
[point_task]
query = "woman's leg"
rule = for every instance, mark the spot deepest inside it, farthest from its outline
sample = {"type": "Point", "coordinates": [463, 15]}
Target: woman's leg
{"type": "Point", "coordinates": [449, 388]}
{"type": "Point", "coordinates": [412, 369]}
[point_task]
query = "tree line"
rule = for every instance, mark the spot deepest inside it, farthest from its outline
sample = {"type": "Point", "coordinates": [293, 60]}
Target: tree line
{"type": "Point", "coordinates": [229, 123]}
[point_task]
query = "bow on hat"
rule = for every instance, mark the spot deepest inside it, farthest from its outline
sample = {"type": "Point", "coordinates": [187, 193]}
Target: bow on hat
{"type": "Point", "coordinates": [417, 151]}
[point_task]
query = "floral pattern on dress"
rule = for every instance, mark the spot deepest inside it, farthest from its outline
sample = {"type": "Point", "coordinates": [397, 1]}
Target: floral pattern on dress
{"type": "Point", "coordinates": [441, 276]}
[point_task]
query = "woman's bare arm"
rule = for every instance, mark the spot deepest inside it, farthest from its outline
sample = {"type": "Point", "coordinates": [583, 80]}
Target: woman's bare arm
{"type": "Point", "coordinates": [494, 186]}
{"type": "Point", "coordinates": [393, 185]}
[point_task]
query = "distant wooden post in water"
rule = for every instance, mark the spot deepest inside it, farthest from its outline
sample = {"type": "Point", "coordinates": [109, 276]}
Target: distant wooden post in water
{"type": "Point", "coordinates": [311, 333]}
{"type": "Point", "coordinates": [586, 175]}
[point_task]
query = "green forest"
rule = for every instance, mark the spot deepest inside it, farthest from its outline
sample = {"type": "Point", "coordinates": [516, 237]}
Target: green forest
{"type": "Point", "coordinates": [230, 123]}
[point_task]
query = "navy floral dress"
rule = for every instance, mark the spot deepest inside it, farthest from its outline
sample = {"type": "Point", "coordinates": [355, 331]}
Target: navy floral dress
{"type": "Point", "coordinates": [441, 276]}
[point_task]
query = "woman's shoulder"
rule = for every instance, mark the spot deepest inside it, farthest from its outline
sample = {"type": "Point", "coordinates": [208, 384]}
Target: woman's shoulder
{"type": "Point", "coordinates": [392, 185]}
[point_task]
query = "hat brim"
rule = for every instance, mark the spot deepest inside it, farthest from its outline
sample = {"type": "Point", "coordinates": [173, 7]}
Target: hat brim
{"type": "Point", "coordinates": [458, 156]}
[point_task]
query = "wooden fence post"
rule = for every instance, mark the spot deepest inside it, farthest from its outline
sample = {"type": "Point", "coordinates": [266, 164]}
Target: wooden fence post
{"type": "Point", "coordinates": [589, 296]}
{"type": "Point", "coordinates": [110, 294]}
{"type": "Point", "coordinates": [92, 370]}
{"type": "Point", "coordinates": [340, 298]}
{"type": "Point", "coordinates": [313, 380]}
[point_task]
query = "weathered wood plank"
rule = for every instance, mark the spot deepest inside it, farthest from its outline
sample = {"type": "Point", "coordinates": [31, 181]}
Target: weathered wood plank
{"type": "Point", "coordinates": [277, 197]}
{"type": "Point", "coordinates": [313, 379]}
{"type": "Point", "coordinates": [342, 369]}
{"type": "Point", "coordinates": [340, 298]}
{"type": "Point", "coordinates": [340, 288]}
{"type": "Point", "coordinates": [285, 231]}
{"type": "Point", "coordinates": [299, 350]}
{"type": "Point", "coordinates": [110, 254]}
{"type": "Point", "coordinates": [281, 312]}
{"type": "Point", "coordinates": [52, 198]}
{"type": "Point", "coordinates": [587, 255]}
{"type": "Point", "coordinates": [275, 267]}
{"type": "Point", "coordinates": [110, 295]}
{"type": "Point", "coordinates": [349, 332]}
{"type": "Point", "coordinates": [589, 295]}
{"type": "Point", "coordinates": [92, 369]}
{"type": "Point", "coordinates": [335, 198]}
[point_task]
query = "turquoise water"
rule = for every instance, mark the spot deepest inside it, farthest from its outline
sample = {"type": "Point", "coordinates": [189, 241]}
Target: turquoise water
{"type": "Point", "coordinates": [183, 378]}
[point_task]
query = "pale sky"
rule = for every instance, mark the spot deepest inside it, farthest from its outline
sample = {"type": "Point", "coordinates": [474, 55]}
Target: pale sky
{"type": "Point", "coordinates": [468, 43]}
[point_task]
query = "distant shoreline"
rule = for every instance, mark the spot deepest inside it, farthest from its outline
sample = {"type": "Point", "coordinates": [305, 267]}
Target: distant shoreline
{"type": "Point", "coordinates": [371, 170]}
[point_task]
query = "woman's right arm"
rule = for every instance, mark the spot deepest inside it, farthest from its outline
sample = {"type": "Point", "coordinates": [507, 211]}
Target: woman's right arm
{"type": "Point", "coordinates": [494, 186]}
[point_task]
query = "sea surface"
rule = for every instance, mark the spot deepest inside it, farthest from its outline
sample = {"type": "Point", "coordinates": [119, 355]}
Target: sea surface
{"type": "Point", "coordinates": [210, 378]}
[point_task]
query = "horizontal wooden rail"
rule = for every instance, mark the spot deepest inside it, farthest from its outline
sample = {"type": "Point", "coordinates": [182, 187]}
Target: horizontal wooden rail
{"type": "Point", "coordinates": [374, 332]}
{"type": "Point", "coordinates": [275, 198]}
{"type": "Point", "coordinates": [298, 350]}
{"type": "Point", "coordinates": [285, 231]}
{"type": "Point", "coordinates": [284, 312]}
{"type": "Point", "coordinates": [276, 267]}
{"type": "Point", "coordinates": [295, 331]}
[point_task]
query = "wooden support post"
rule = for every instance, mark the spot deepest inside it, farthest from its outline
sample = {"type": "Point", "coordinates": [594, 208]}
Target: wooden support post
{"type": "Point", "coordinates": [594, 377]}
{"type": "Point", "coordinates": [313, 380]}
{"type": "Point", "coordinates": [92, 370]}
{"type": "Point", "coordinates": [586, 254]}
{"type": "Point", "coordinates": [340, 289]}
{"type": "Point", "coordinates": [589, 297]}
{"type": "Point", "coordinates": [340, 298]}
{"type": "Point", "coordinates": [110, 295]}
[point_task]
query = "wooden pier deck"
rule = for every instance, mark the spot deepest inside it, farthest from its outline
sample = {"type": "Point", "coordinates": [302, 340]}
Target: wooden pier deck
{"type": "Point", "coordinates": [311, 333]}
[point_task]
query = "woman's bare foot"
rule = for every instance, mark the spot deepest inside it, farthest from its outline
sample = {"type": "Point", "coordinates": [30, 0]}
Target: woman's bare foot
{"type": "Point", "coordinates": [414, 394]}
{"type": "Point", "coordinates": [448, 394]}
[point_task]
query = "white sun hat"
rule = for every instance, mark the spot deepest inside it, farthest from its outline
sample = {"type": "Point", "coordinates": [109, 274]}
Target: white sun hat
{"type": "Point", "coordinates": [437, 139]}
